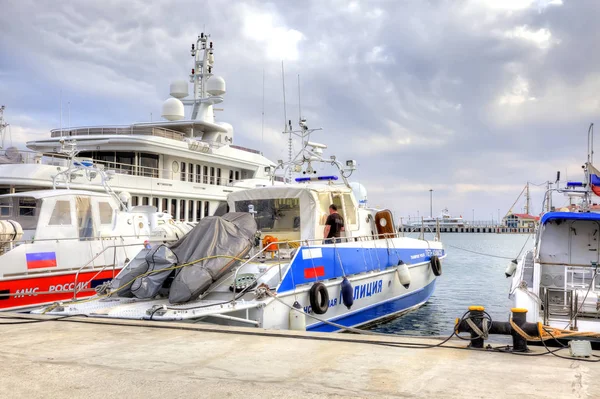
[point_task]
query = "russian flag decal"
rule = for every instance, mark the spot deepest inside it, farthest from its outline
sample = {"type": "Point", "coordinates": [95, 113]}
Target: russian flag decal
{"type": "Point", "coordinates": [40, 260]}
{"type": "Point", "coordinates": [314, 272]}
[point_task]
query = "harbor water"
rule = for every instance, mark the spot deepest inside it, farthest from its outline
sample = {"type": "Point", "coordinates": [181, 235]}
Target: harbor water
{"type": "Point", "coordinates": [468, 278]}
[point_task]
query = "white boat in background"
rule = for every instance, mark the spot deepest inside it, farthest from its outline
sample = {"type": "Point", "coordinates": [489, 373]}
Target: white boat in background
{"type": "Point", "coordinates": [444, 220]}
{"type": "Point", "coordinates": [60, 244]}
{"type": "Point", "coordinates": [289, 277]}
{"type": "Point", "coordinates": [182, 166]}
{"type": "Point", "coordinates": [557, 281]}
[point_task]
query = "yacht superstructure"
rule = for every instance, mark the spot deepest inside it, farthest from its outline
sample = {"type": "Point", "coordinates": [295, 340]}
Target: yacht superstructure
{"type": "Point", "coordinates": [185, 167]}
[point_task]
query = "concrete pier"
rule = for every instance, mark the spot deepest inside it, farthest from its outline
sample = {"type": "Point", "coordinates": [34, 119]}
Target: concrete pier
{"type": "Point", "coordinates": [95, 358]}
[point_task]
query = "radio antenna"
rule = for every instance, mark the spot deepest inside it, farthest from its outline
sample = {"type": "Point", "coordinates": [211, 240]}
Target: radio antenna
{"type": "Point", "coordinates": [299, 102]}
{"type": "Point", "coordinates": [262, 131]}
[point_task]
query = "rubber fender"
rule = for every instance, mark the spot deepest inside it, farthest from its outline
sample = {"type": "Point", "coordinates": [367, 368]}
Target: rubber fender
{"type": "Point", "coordinates": [319, 291]}
{"type": "Point", "coordinates": [347, 293]}
{"type": "Point", "coordinates": [403, 274]}
{"type": "Point", "coordinates": [436, 265]}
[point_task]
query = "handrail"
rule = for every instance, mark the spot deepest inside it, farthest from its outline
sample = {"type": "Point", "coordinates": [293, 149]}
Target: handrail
{"type": "Point", "coordinates": [98, 238]}
{"type": "Point", "coordinates": [119, 130]}
{"type": "Point", "coordinates": [101, 270]}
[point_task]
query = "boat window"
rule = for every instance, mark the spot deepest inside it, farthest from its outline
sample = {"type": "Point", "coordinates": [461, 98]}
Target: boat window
{"type": "Point", "coordinates": [164, 205]}
{"type": "Point", "coordinates": [183, 173]}
{"type": "Point", "coordinates": [205, 176]}
{"type": "Point", "coordinates": [182, 210]}
{"type": "Point", "coordinates": [279, 214]}
{"type": "Point", "coordinates": [134, 200]}
{"type": "Point", "coordinates": [230, 176]}
{"type": "Point", "coordinates": [337, 200]}
{"type": "Point", "coordinates": [218, 176]}
{"type": "Point", "coordinates": [27, 207]}
{"type": "Point", "coordinates": [206, 208]}
{"type": "Point", "coordinates": [145, 200]}
{"type": "Point", "coordinates": [173, 208]}
{"type": "Point", "coordinates": [222, 208]}
{"type": "Point", "coordinates": [349, 210]}
{"type": "Point", "coordinates": [6, 207]}
{"type": "Point", "coordinates": [237, 175]}
{"type": "Point", "coordinates": [84, 217]}
{"type": "Point", "coordinates": [198, 210]}
{"type": "Point", "coordinates": [106, 212]}
{"type": "Point", "coordinates": [148, 164]}
{"type": "Point", "coordinates": [324, 202]}
{"type": "Point", "coordinates": [212, 175]}
{"type": "Point", "coordinates": [125, 161]}
{"type": "Point", "coordinates": [61, 214]}
{"type": "Point", "coordinates": [191, 210]}
{"type": "Point", "coordinates": [191, 173]}
{"type": "Point", "coordinates": [198, 173]}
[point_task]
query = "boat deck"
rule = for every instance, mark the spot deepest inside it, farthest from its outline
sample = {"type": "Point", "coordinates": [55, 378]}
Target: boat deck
{"type": "Point", "coordinates": [91, 358]}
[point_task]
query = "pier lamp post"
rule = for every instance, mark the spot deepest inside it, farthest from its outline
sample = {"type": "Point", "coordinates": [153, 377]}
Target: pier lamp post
{"type": "Point", "coordinates": [431, 203]}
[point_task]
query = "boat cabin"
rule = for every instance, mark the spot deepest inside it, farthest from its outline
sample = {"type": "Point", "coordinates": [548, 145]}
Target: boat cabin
{"type": "Point", "coordinates": [568, 252]}
{"type": "Point", "coordinates": [292, 213]}
{"type": "Point", "coordinates": [55, 214]}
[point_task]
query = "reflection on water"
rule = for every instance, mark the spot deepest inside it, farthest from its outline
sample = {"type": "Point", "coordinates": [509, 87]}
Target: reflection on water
{"type": "Point", "coordinates": [467, 279]}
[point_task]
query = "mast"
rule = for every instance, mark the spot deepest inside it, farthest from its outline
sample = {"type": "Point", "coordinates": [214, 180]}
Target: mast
{"type": "Point", "coordinates": [527, 199]}
{"type": "Point", "coordinates": [3, 126]}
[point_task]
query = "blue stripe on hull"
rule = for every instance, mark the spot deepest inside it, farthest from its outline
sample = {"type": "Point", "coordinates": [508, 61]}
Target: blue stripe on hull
{"type": "Point", "coordinates": [378, 310]}
{"type": "Point", "coordinates": [334, 262]}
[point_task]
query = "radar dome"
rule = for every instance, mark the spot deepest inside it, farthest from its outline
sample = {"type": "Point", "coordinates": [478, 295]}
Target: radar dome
{"type": "Point", "coordinates": [172, 109]}
{"type": "Point", "coordinates": [360, 193]}
{"type": "Point", "coordinates": [215, 86]}
{"type": "Point", "coordinates": [179, 89]}
{"type": "Point", "coordinates": [125, 197]}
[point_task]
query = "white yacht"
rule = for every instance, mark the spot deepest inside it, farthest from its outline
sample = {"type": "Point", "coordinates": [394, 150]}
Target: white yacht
{"type": "Point", "coordinates": [445, 220]}
{"type": "Point", "coordinates": [182, 166]}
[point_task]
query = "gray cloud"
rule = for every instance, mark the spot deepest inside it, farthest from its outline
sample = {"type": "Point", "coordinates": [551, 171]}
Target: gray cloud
{"type": "Point", "coordinates": [470, 98]}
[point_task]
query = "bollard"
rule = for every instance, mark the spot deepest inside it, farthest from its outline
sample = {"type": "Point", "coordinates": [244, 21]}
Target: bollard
{"type": "Point", "coordinates": [476, 315]}
{"type": "Point", "coordinates": [519, 317]}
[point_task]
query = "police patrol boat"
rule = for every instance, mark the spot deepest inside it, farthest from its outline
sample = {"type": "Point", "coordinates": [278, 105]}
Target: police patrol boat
{"type": "Point", "coordinates": [266, 264]}
{"type": "Point", "coordinates": [557, 281]}
{"type": "Point", "coordinates": [62, 243]}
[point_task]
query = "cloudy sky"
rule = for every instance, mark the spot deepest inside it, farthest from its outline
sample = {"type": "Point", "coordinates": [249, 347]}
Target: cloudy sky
{"type": "Point", "coordinates": [469, 98]}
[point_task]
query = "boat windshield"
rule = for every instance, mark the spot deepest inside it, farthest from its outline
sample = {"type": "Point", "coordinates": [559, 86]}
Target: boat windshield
{"type": "Point", "coordinates": [24, 210]}
{"type": "Point", "coordinates": [277, 214]}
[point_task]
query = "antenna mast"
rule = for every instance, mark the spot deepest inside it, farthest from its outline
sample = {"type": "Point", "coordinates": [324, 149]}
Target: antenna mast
{"type": "Point", "coordinates": [286, 121]}
{"type": "Point", "coordinates": [527, 199]}
{"type": "Point", "coordinates": [3, 126]}
{"type": "Point", "coordinates": [262, 132]}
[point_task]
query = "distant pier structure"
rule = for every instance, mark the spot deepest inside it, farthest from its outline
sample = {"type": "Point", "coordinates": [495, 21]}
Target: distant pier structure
{"type": "Point", "coordinates": [498, 229]}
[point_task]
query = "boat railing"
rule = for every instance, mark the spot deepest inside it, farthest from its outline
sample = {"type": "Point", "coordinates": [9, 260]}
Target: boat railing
{"type": "Point", "coordinates": [274, 249]}
{"type": "Point", "coordinates": [114, 247]}
{"type": "Point", "coordinates": [119, 130]}
{"type": "Point", "coordinates": [33, 157]}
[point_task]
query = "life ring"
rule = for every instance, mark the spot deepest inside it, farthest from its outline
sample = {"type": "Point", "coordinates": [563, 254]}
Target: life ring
{"type": "Point", "coordinates": [319, 291]}
{"type": "Point", "coordinates": [269, 244]}
{"type": "Point", "coordinates": [436, 265]}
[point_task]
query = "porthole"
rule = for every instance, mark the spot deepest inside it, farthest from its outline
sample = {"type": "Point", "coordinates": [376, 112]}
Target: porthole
{"type": "Point", "coordinates": [175, 167]}
{"type": "Point", "coordinates": [382, 222]}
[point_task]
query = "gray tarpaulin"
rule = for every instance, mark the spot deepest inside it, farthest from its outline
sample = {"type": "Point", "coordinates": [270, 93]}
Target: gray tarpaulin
{"type": "Point", "coordinates": [158, 258]}
{"type": "Point", "coordinates": [230, 235]}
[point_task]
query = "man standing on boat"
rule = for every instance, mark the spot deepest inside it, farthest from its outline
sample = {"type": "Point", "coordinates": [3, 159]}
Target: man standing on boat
{"type": "Point", "coordinates": [333, 226]}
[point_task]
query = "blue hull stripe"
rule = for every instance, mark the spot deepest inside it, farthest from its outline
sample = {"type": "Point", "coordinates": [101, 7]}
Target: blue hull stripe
{"type": "Point", "coordinates": [377, 311]}
{"type": "Point", "coordinates": [339, 261]}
